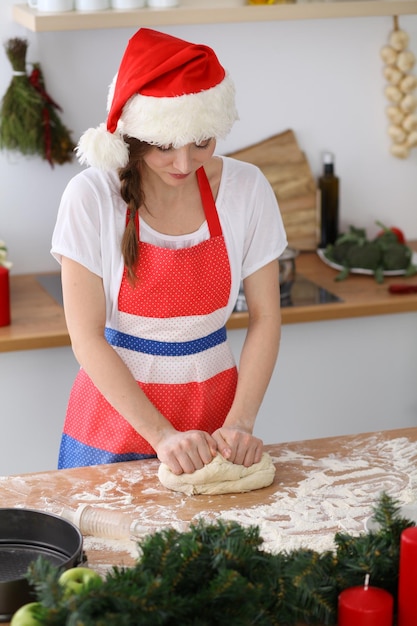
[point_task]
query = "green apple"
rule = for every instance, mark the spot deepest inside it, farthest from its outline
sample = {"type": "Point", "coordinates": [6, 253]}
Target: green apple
{"type": "Point", "coordinates": [25, 616]}
{"type": "Point", "coordinates": [75, 579]}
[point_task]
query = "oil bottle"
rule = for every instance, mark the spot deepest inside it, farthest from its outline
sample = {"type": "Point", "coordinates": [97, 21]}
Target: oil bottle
{"type": "Point", "coordinates": [329, 192]}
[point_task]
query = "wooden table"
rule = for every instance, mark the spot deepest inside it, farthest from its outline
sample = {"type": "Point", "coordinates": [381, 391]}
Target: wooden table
{"type": "Point", "coordinates": [38, 321]}
{"type": "Point", "coordinates": [321, 486]}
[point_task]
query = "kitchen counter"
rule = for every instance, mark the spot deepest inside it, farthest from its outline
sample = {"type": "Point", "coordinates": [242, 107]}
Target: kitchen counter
{"type": "Point", "coordinates": [321, 486]}
{"type": "Point", "coordinates": [361, 295]}
{"type": "Point", "coordinates": [38, 319]}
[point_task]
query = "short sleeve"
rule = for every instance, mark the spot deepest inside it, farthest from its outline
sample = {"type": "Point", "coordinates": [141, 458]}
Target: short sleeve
{"type": "Point", "coordinates": [77, 230]}
{"type": "Point", "coordinates": [265, 238]}
{"type": "Point", "coordinates": [250, 217]}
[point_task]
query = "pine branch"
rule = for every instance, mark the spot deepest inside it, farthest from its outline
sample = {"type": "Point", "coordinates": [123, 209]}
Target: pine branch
{"type": "Point", "coordinates": [217, 574]}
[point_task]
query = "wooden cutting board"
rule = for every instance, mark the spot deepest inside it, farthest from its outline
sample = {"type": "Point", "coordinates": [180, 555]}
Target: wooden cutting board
{"type": "Point", "coordinates": [287, 169]}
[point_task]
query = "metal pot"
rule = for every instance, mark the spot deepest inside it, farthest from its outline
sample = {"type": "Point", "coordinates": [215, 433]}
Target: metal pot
{"type": "Point", "coordinates": [286, 279]}
{"type": "Point", "coordinates": [24, 536]}
{"type": "Point", "coordinates": [287, 271]}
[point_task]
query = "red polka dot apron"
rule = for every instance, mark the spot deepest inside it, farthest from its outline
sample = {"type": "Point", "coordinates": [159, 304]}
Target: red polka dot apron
{"type": "Point", "coordinates": [171, 334]}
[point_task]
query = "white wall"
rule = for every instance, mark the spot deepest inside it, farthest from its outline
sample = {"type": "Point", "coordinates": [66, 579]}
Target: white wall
{"type": "Point", "coordinates": [342, 377]}
{"type": "Point", "coordinates": [34, 386]}
{"type": "Point", "coordinates": [322, 78]}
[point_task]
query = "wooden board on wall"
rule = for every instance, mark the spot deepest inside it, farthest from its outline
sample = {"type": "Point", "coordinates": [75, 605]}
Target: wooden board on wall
{"type": "Point", "coordinates": [288, 171]}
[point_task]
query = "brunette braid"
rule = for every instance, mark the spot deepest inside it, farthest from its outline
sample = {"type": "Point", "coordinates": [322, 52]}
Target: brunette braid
{"type": "Point", "coordinates": [132, 193]}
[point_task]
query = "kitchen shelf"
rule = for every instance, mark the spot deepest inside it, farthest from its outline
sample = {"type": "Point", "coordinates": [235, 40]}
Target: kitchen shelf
{"type": "Point", "coordinates": [208, 12]}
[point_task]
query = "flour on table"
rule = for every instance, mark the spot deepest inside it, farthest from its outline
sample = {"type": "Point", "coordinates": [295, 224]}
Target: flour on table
{"type": "Point", "coordinates": [325, 501]}
{"type": "Point", "coordinates": [319, 502]}
{"type": "Point", "coordinates": [220, 476]}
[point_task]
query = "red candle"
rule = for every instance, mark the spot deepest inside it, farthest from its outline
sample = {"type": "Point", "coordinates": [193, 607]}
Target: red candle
{"type": "Point", "coordinates": [4, 296]}
{"type": "Point", "coordinates": [407, 583]}
{"type": "Point", "coordinates": [365, 606]}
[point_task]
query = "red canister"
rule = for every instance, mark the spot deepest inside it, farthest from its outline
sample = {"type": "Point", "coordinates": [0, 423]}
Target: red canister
{"type": "Point", "coordinates": [4, 296]}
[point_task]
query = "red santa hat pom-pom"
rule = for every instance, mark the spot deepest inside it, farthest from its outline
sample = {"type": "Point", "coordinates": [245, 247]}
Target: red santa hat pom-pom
{"type": "Point", "coordinates": [99, 148]}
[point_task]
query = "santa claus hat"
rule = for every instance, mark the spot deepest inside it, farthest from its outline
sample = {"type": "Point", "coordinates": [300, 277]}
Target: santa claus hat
{"type": "Point", "coordinates": [167, 92]}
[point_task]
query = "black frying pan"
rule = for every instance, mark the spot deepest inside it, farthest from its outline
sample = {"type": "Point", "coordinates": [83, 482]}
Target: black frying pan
{"type": "Point", "coordinates": [25, 535]}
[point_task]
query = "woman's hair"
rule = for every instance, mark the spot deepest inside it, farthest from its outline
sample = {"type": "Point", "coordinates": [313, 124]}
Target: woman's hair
{"type": "Point", "coordinates": [132, 193]}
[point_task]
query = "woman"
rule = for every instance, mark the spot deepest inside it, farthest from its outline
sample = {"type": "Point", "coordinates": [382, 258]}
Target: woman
{"type": "Point", "coordinates": [151, 267]}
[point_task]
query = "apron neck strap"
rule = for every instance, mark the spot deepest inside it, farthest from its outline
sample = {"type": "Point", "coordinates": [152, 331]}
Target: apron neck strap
{"type": "Point", "coordinates": [208, 204]}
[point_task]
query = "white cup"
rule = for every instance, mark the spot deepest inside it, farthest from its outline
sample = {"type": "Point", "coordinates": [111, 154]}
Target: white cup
{"type": "Point", "coordinates": [162, 4]}
{"type": "Point", "coordinates": [127, 4]}
{"type": "Point", "coordinates": [52, 6]}
{"type": "Point", "coordinates": [92, 5]}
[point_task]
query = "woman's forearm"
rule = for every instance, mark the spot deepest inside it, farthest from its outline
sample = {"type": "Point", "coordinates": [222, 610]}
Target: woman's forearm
{"type": "Point", "coordinates": [260, 348]}
{"type": "Point", "coordinates": [116, 383]}
{"type": "Point", "coordinates": [84, 304]}
{"type": "Point", "coordinates": [256, 365]}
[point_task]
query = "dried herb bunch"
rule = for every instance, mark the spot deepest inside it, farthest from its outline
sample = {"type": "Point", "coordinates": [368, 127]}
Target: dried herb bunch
{"type": "Point", "coordinates": [29, 121]}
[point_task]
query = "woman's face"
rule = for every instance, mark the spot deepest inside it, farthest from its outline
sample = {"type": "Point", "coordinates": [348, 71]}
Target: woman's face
{"type": "Point", "coordinates": [177, 165]}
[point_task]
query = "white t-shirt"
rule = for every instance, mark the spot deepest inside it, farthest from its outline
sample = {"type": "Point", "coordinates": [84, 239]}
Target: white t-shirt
{"type": "Point", "coordinates": [92, 217]}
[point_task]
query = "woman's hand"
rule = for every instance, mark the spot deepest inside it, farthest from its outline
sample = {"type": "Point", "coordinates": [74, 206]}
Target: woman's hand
{"type": "Point", "coordinates": [238, 446]}
{"type": "Point", "coordinates": [185, 452]}
{"type": "Point", "coordinates": [257, 360]}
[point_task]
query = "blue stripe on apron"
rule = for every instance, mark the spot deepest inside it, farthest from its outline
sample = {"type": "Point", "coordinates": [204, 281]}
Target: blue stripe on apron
{"type": "Point", "coordinates": [73, 453]}
{"type": "Point", "coordinates": [164, 348]}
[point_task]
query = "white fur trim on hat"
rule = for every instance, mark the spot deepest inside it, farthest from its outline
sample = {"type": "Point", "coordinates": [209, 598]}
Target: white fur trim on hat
{"type": "Point", "coordinates": [175, 121]}
{"type": "Point", "coordinates": [180, 120]}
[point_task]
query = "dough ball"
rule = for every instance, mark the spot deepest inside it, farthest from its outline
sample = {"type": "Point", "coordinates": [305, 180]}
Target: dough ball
{"type": "Point", "coordinates": [220, 476]}
{"type": "Point", "coordinates": [399, 40]}
{"type": "Point", "coordinates": [389, 55]}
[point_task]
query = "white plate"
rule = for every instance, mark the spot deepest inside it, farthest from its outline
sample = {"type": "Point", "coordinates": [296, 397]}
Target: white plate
{"type": "Point", "coordinates": [359, 270]}
{"type": "Point", "coordinates": [408, 511]}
